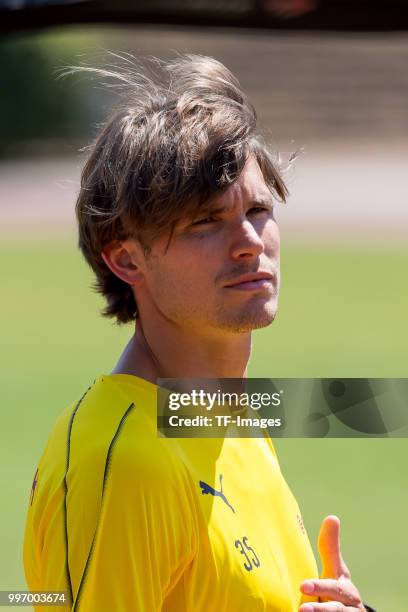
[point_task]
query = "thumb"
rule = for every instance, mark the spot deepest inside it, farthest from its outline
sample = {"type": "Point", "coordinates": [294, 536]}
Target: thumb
{"type": "Point", "coordinates": [333, 565]}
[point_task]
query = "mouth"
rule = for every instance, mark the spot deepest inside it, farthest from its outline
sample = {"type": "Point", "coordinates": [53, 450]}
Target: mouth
{"type": "Point", "coordinates": [257, 281]}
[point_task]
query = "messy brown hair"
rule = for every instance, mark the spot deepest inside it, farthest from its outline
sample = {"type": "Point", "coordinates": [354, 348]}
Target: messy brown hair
{"type": "Point", "coordinates": [181, 133]}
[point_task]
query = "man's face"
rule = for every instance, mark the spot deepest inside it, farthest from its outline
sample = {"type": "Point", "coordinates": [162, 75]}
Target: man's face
{"type": "Point", "coordinates": [194, 282]}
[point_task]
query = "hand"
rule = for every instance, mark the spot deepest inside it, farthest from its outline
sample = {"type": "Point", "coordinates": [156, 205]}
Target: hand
{"type": "Point", "coordinates": [335, 590]}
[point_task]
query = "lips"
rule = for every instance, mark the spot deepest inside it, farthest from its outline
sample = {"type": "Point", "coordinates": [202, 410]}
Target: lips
{"type": "Point", "coordinates": [253, 279]}
{"type": "Point", "coordinates": [260, 282]}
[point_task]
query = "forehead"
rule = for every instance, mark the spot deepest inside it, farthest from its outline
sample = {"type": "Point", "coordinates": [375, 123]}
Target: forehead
{"type": "Point", "coordinates": [249, 187]}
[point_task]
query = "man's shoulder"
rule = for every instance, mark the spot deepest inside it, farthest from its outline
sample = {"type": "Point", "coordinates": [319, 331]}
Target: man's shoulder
{"type": "Point", "coordinates": [110, 435]}
{"type": "Point", "coordinates": [108, 408]}
{"type": "Point", "coordinates": [118, 419]}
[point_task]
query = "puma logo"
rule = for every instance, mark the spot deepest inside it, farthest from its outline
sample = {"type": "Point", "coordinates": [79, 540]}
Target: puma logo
{"type": "Point", "coordinates": [208, 489]}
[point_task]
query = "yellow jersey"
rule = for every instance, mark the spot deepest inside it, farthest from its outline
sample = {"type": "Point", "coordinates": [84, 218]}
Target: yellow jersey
{"type": "Point", "coordinates": [126, 520]}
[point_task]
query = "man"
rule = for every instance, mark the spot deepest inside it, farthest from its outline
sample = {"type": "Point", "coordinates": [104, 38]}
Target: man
{"type": "Point", "coordinates": [175, 217]}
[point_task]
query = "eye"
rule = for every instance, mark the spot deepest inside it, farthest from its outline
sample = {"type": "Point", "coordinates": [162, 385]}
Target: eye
{"type": "Point", "coordinates": [204, 221]}
{"type": "Point", "coordinates": [259, 209]}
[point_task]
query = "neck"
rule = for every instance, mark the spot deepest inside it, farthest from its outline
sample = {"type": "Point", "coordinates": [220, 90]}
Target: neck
{"type": "Point", "coordinates": [172, 352]}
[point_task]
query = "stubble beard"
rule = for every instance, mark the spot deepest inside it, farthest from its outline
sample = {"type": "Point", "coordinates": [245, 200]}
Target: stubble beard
{"type": "Point", "coordinates": [250, 317]}
{"type": "Point", "coordinates": [229, 316]}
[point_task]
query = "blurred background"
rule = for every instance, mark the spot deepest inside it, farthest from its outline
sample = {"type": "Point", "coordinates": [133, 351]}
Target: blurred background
{"type": "Point", "coordinates": [341, 97]}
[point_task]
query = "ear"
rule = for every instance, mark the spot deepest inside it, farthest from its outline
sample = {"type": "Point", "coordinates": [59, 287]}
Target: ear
{"type": "Point", "coordinates": [122, 258]}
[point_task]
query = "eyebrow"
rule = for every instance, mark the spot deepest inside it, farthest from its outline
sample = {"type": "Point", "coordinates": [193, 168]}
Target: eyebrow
{"type": "Point", "coordinates": [260, 201]}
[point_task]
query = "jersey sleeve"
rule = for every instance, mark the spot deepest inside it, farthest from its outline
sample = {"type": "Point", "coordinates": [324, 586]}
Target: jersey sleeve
{"type": "Point", "coordinates": [145, 537]}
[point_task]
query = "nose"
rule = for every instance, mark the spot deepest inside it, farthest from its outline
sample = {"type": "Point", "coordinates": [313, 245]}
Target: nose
{"type": "Point", "coordinates": [246, 242]}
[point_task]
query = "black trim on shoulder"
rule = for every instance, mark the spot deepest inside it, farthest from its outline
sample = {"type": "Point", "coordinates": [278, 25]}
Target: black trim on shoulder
{"type": "Point", "coordinates": [71, 421]}
{"type": "Point", "coordinates": [105, 477]}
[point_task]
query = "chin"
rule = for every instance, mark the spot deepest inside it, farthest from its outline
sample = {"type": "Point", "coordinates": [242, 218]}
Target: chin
{"type": "Point", "coordinates": [254, 318]}
{"type": "Point", "coordinates": [262, 321]}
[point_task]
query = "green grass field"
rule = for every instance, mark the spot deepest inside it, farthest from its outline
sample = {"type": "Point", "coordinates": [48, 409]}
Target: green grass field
{"type": "Point", "coordinates": [343, 312]}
